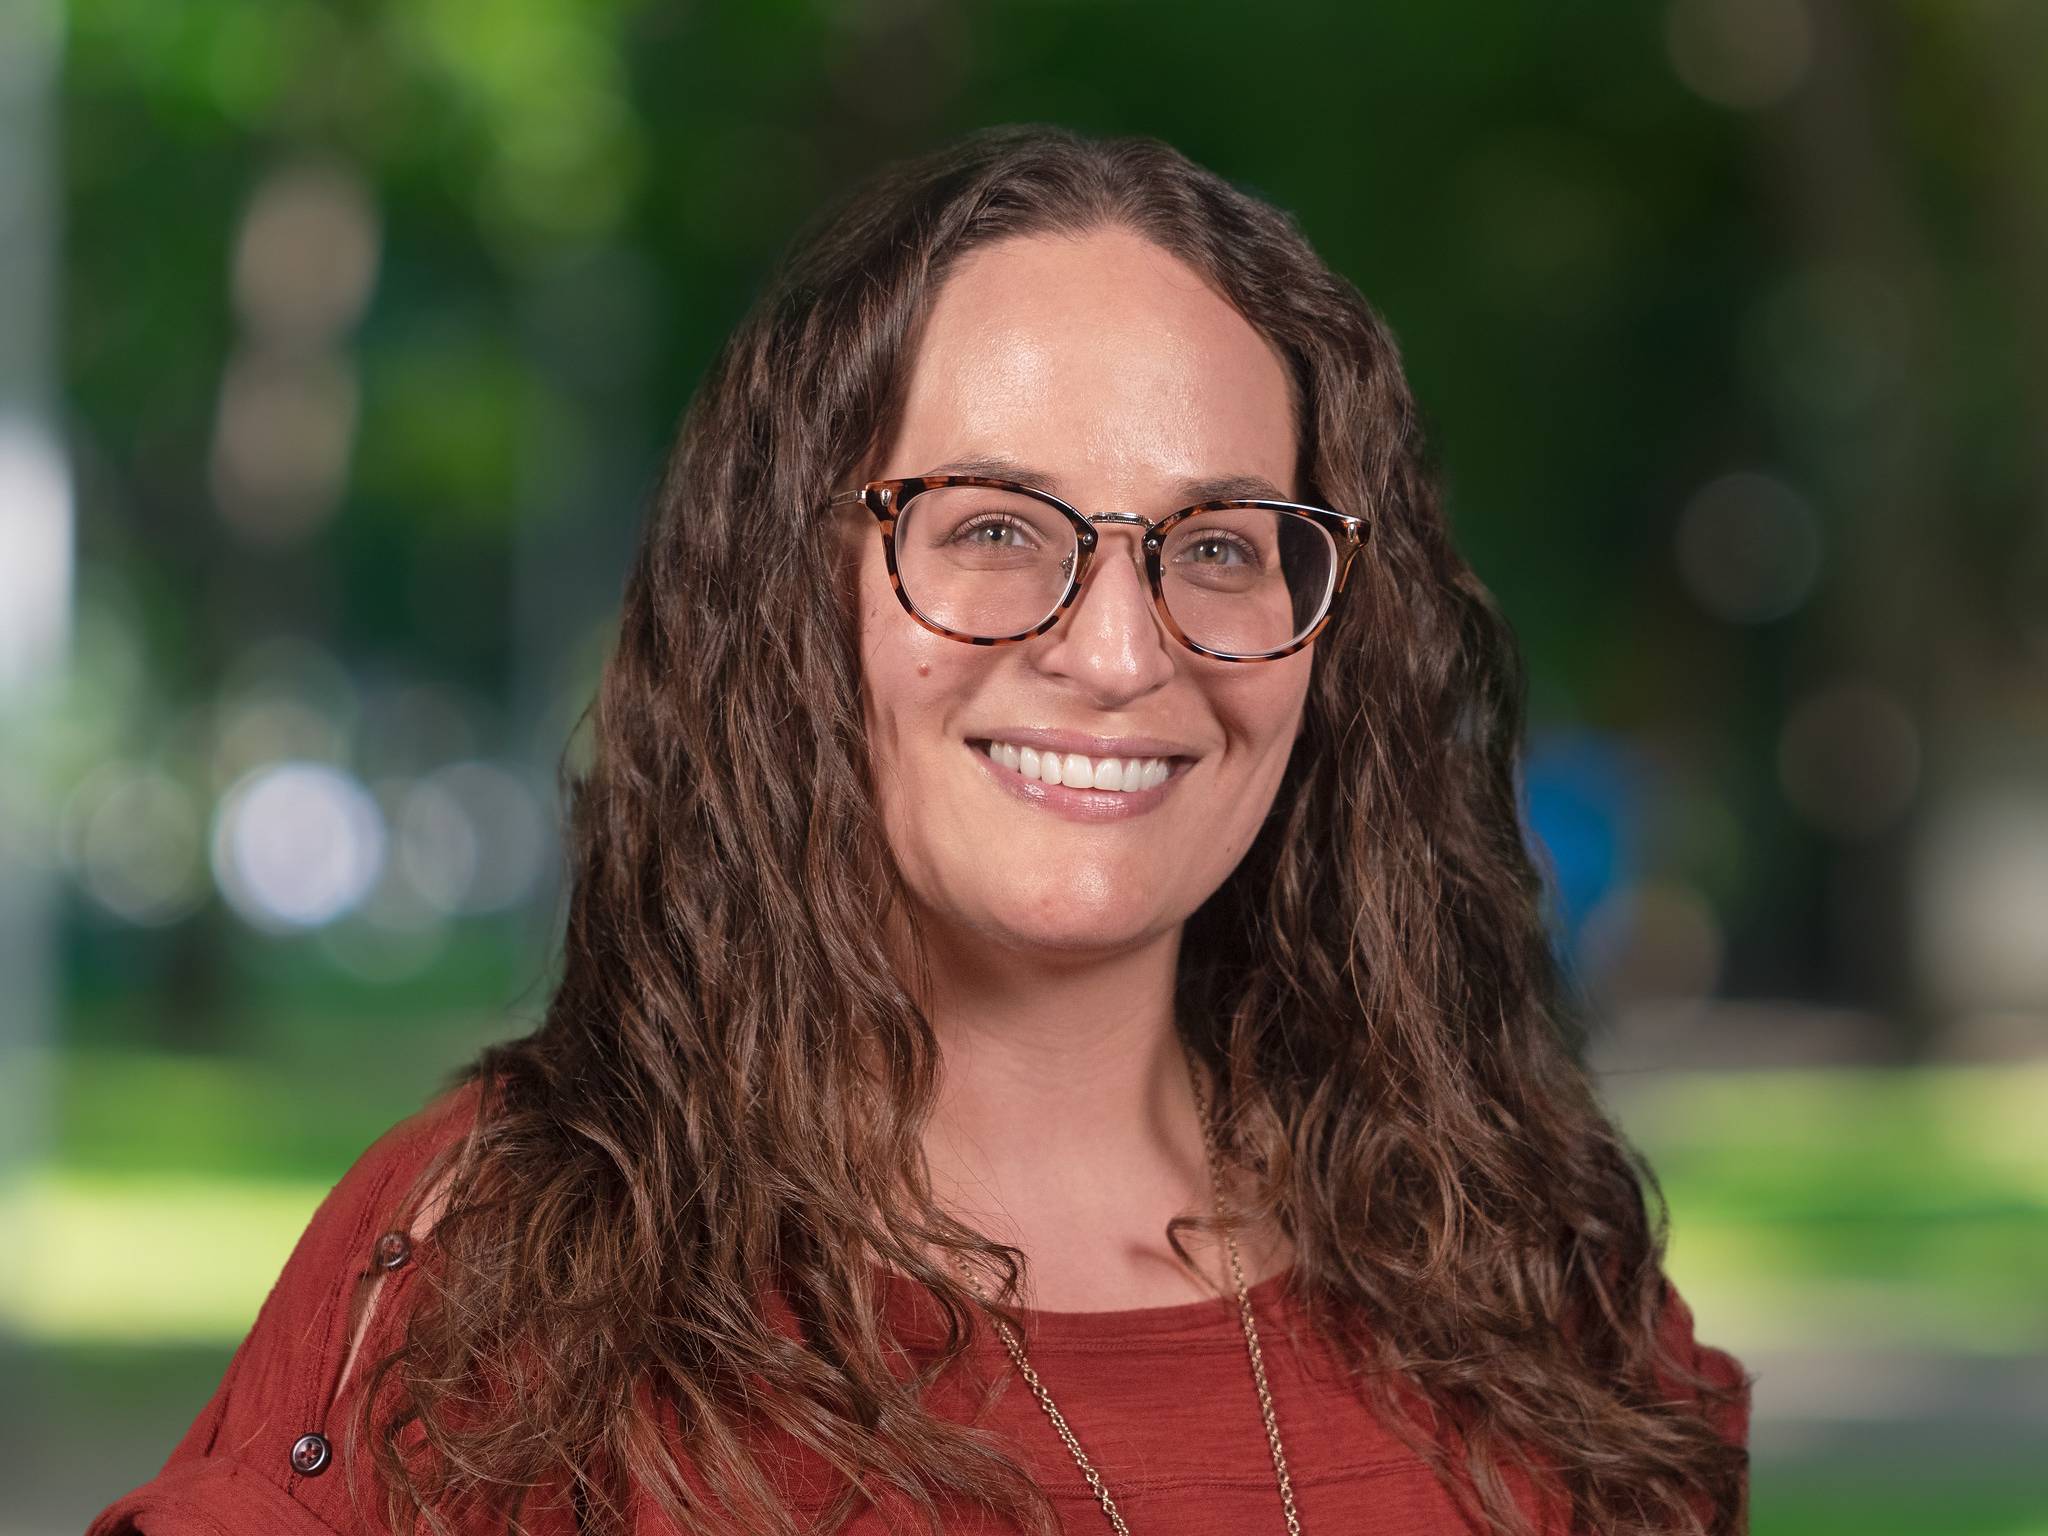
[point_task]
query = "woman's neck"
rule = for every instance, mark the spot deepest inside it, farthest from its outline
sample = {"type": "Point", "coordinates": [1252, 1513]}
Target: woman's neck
{"type": "Point", "coordinates": [1066, 1121]}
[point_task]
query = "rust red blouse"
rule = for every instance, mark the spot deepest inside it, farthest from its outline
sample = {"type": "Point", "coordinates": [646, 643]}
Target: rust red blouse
{"type": "Point", "coordinates": [1161, 1397]}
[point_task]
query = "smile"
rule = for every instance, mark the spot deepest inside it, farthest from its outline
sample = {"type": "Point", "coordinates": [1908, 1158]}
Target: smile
{"type": "Point", "coordinates": [1079, 787]}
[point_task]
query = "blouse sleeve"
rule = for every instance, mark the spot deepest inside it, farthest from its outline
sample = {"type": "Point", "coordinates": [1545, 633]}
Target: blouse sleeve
{"type": "Point", "coordinates": [263, 1456]}
{"type": "Point", "coordinates": [1728, 1416]}
{"type": "Point", "coordinates": [1731, 1418]}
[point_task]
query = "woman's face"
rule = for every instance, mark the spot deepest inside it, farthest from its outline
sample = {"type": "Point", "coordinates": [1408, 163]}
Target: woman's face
{"type": "Point", "coordinates": [1111, 369]}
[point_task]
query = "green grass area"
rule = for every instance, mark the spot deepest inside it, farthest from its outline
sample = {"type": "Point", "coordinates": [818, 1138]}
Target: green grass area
{"type": "Point", "coordinates": [1913, 1501]}
{"type": "Point", "coordinates": [212, 1164]}
{"type": "Point", "coordinates": [1859, 1208]}
{"type": "Point", "coordinates": [304, 1113]}
{"type": "Point", "coordinates": [215, 1246]}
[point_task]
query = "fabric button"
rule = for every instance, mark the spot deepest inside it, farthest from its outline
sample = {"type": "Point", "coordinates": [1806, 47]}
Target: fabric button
{"type": "Point", "coordinates": [310, 1454]}
{"type": "Point", "coordinates": [393, 1249]}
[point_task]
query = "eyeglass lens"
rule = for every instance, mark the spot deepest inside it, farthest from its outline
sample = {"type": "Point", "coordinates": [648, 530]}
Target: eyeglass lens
{"type": "Point", "coordinates": [992, 563]}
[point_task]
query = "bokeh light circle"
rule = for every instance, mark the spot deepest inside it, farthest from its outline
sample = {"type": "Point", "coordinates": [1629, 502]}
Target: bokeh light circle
{"type": "Point", "coordinates": [296, 845]}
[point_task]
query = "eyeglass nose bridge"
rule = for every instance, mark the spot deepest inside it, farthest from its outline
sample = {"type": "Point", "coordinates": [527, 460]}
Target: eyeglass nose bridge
{"type": "Point", "coordinates": [1125, 519]}
{"type": "Point", "coordinates": [1088, 540]}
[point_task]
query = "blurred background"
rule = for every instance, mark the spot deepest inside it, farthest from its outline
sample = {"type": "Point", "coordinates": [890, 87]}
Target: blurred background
{"type": "Point", "coordinates": [339, 350]}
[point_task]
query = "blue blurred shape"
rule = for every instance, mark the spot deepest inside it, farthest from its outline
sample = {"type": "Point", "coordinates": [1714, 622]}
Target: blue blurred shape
{"type": "Point", "coordinates": [1580, 791]}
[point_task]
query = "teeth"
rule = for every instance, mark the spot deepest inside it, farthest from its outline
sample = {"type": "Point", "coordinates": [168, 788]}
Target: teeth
{"type": "Point", "coordinates": [1124, 775]}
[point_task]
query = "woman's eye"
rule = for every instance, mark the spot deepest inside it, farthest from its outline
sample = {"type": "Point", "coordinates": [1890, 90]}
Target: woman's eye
{"type": "Point", "coordinates": [1208, 548]}
{"type": "Point", "coordinates": [993, 532]}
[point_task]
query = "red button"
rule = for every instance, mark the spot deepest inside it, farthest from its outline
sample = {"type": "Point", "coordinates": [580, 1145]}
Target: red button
{"type": "Point", "coordinates": [393, 1249]}
{"type": "Point", "coordinates": [310, 1454]}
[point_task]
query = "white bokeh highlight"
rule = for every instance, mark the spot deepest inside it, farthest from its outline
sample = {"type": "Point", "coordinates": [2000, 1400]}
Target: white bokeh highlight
{"type": "Point", "coordinates": [297, 845]}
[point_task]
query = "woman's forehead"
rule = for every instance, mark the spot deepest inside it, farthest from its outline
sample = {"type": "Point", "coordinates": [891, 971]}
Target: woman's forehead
{"type": "Point", "coordinates": [1099, 355]}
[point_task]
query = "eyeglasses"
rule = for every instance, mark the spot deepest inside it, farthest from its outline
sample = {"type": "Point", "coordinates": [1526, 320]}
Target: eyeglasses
{"type": "Point", "coordinates": [991, 562]}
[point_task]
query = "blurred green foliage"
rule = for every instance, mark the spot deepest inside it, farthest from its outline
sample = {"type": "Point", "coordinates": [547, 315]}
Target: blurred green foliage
{"type": "Point", "coordinates": [1608, 289]}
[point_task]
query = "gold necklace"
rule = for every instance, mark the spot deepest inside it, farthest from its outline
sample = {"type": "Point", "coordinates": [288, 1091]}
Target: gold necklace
{"type": "Point", "coordinates": [1251, 1339]}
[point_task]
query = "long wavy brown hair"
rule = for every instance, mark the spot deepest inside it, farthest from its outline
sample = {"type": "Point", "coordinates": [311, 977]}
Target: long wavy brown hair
{"type": "Point", "coordinates": [729, 1084]}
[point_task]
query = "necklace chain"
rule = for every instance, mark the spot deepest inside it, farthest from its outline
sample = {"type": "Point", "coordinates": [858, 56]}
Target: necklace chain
{"type": "Point", "coordinates": [1251, 1339]}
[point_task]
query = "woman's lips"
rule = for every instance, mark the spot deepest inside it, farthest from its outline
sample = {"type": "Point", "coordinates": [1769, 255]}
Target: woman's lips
{"type": "Point", "coordinates": [1081, 804]}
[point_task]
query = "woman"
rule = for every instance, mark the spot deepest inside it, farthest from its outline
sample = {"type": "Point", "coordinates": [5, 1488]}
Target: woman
{"type": "Point", "coordinates": [1057, 1030]}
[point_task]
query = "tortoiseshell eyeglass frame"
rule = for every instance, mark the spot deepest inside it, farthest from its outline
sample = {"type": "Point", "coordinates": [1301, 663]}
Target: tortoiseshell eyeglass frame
{"type": "Point", "coordinates": [887, 499]}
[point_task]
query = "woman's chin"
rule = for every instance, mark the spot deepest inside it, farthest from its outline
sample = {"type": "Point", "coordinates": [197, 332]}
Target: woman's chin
{"type": "Point", "coordinates": [1076, 930]}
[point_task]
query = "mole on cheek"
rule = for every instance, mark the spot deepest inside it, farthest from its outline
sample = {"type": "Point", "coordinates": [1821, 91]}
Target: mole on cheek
{"type": "Point", "coordinates": [924, 669]}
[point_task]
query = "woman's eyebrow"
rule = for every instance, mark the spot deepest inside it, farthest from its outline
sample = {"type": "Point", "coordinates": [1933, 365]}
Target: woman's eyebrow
{"type": "Point", "coordinates": [1201, 488]}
